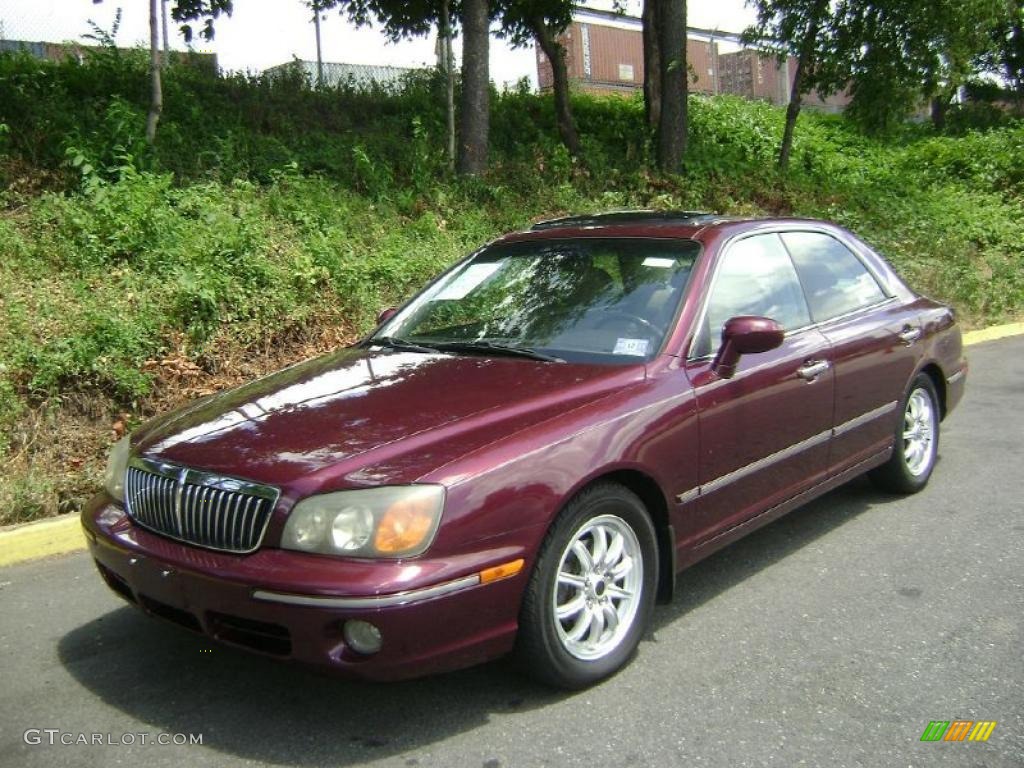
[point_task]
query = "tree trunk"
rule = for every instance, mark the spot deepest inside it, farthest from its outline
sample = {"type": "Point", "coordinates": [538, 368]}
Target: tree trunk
{"type": "Point", "coordinates": [1014, 62]}
{"type": "Point", "coordinates": [792, 113]}
{"type": "Point", "coordinates": [803, 63]}
{"type": "Point", "coordinates": [474, 118]}
{"type": "Point", "coordinates": [156, 104]}
{"type": "Point", "coordinates": [940, 105]}
{"type": "Point", "coordinates": [672, 127]}
{"type": "Point", "coordinates": [319, 47]}
{"type": "Point", "coordinates": [652, 65]}
{"type": "Point", "coordinates": [448, 58]}
{"type": "Point", "coordinates": [555, 52]}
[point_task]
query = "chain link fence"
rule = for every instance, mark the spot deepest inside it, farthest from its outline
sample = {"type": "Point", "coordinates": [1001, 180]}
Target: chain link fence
{"type": "Point", "coordinates": [46, 28]}
{"type": "Point", "coordinates": [251, 40]}
{"type": "Point", "coordinates": [23, 21]}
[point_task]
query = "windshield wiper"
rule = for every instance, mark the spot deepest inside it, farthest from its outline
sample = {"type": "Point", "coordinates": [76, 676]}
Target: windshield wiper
{"type": "Point", "coordinates": [396, 343]}
{"type": "Point", "coordinates": [498, 349]}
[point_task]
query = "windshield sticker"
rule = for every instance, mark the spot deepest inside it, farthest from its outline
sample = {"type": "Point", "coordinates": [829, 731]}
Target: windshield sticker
{"type": "Point", "coordinates": [636, 347]}
{"type": "Point", "coordinates": [462, 285]}
{"type": "Point", "coordinates": [654, 261]}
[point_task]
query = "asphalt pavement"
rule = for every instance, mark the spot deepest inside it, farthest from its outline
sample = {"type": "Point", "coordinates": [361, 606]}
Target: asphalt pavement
{"type": "Point", "coordinates": [829, 638]}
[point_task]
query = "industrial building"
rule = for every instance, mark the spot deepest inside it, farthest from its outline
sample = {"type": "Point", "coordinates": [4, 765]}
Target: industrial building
{"type": "Point", "coordinates": [605, 54]}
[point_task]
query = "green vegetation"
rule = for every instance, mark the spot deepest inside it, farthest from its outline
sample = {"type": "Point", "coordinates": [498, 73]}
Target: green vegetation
{"type": "Point", "coordinates": [272, 221]}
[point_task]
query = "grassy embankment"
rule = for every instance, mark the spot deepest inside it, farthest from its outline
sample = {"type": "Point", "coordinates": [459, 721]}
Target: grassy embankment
{"type": "Point", "coordinates": [271, 222]}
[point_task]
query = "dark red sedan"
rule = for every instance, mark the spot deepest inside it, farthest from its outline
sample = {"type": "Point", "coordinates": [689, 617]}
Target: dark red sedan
{"type": "Point", "coordinates": [524, 455]}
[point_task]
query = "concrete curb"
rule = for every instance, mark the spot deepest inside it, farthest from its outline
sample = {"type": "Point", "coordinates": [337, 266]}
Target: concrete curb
{"type": "Point", "coordinates": [992, 333]}
{"type": "Point", "coordinates": [41, 539]}
{"type": "Point", "coordinates": [32, 541]}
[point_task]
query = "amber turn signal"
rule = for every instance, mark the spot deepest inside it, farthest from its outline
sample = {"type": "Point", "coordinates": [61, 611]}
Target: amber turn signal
{"type": "Point", "coordinates": [502, 571]}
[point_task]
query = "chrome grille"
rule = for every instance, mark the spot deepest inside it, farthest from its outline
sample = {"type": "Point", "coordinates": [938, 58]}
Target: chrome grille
{"type": "Point", "coordinates": [198, 507]}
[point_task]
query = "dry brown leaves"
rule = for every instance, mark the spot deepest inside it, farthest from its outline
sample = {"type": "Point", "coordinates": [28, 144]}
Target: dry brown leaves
{"type": "Point", "coordinates": [60, 450]}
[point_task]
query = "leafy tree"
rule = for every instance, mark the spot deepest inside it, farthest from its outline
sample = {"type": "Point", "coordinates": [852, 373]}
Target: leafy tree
{"type": "Point", "coordinates": [804, 29]}
{"type": "Point", "coordinates": [1012, 49]}
{"type": "Point", "coordinates": [399, 19]}
{"type": "Point", "coordinates": [1006, 56]}
{"type": "Point", "coordinates": [898, 53]}
{"type": "Point", "coordinates": [184, 12]}
{"type": "Point", "coordinates": [412, 19]}
{"type": "Point", "coordinates": [545, 21]}
{"type": "Point", "coordinates": [891, 55]}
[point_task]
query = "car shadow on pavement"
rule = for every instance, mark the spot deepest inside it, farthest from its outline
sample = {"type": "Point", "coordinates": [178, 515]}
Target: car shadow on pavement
{"type": "Point", "coordinates": [760, 549]}
{"type": "Point", "coordinates": [264, 710]}
{"type": "Point", "coordinates": [259, 709]}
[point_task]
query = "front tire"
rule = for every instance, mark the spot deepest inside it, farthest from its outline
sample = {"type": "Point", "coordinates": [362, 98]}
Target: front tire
{"type": "Point", "coordinates": [916, 441]}
{"type": "Point", "coordinates": [591, 593]}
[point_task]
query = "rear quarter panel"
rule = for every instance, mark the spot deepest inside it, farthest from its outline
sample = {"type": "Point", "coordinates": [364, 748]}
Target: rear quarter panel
{"type": "Point", "coordinates": [944, 347]}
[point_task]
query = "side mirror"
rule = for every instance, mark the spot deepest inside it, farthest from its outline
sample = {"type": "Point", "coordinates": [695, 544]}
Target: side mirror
{"type": "Point", "coordinates": [745, 335]}
{"type": "Point", "coordinates": [386, 314]}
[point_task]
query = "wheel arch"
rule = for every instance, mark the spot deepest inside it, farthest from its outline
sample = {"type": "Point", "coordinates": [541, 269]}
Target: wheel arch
{"type": "Point", "coordinates": [650, 493]}
{"type": "Point", "coordinates": [934, 372]}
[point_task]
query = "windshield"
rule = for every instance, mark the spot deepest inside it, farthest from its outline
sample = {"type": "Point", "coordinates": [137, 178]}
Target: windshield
{"type": "Point", "coordinates": [608, 300]}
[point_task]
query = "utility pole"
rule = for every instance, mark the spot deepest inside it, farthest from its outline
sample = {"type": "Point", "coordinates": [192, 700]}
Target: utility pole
{"type": "Point", "coordinates": [167, 40]}
{"type": "Point", "coordinates": [319, 48]}
{"type": "Point", "coordinates": [447, 62]}
{"type": "Point", "coordinates": [784, 83]}
{"type": "Point", "coordinates": [713, 56]}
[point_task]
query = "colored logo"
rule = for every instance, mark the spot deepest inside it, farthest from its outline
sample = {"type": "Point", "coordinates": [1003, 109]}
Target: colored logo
{"type": "Point", "coordinates": [958, 730]}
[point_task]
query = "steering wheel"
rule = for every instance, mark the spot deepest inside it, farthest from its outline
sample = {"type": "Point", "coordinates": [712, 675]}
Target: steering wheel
{"type": "Point", "coordinates": [631, 317]}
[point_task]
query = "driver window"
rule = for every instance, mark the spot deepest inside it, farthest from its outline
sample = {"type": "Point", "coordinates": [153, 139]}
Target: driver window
{"type": "Point", "coordinates": [756, 277]}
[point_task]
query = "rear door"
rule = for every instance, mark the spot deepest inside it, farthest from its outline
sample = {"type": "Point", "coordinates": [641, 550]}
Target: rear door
{"type": "Point", "coordinates": [764, 433]}
{"type": "Point", "coordinates": [873, 338]}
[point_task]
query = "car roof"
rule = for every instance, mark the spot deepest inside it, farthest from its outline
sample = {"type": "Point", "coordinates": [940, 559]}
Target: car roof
{"type": "Point", "coordinates": [648, 223]}
{"type": "Point", "coordinates": [610, 218]}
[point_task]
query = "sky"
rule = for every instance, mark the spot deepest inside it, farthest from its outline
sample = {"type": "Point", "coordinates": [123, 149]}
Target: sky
{"type": "Point", "coordinates": [255, 38]}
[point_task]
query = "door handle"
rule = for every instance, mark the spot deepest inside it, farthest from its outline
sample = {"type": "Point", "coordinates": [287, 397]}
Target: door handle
{"type": "Point", "coordinates": [909, 335]}
{"type": "Point", "coordinates": [812, 370]}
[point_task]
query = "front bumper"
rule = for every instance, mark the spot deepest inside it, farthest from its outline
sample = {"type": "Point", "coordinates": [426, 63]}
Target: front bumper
{"type": "Point", "coordinates": [433, 615]}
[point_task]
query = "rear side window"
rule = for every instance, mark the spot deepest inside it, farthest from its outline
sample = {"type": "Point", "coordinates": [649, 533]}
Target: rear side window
{"type": "Point", "coordinates": [834, 279]}
{"type": "Point", "coordinates": [756, 277]}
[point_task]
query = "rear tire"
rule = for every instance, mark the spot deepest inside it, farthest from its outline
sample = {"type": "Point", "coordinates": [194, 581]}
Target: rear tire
{"type": "Point", "coordinates": [591, 593]}
{"type": "Point", "coordinates": [916, 441]}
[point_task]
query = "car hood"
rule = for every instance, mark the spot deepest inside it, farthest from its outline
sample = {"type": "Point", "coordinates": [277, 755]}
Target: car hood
{"type": "Point", "coordinates": [339, 416]}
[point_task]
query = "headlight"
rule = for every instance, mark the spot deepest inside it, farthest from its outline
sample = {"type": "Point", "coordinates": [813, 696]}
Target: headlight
{"type": "Point", "coordinates": [392, 521]}
{"type": "Point", "coordinates": [117, 465]}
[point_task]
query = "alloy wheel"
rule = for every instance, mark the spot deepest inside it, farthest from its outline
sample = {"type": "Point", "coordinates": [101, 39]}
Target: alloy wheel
{"type": "Point", "coordinates": [598, 586]}
{"type": "Point", "coordinates": [918, 432]}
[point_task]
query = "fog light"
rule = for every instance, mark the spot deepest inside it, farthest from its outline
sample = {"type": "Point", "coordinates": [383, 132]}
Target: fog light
{"type": "Point", "coordinates": [110, 516]}
{"type": "Point", "coordinates": [362, 637]}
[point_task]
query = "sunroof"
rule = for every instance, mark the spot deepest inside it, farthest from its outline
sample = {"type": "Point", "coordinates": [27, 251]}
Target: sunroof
{"type": "Point", "coordinates": [627, 217]}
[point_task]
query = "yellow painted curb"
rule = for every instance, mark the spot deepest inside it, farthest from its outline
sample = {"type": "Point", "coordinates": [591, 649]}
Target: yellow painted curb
{"type": "Point", "coordinates": [41, 539]}
{"type": "Point", "coordinates": [993, 333]}
{"type": "Point", "coordinates": [57, 537]}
